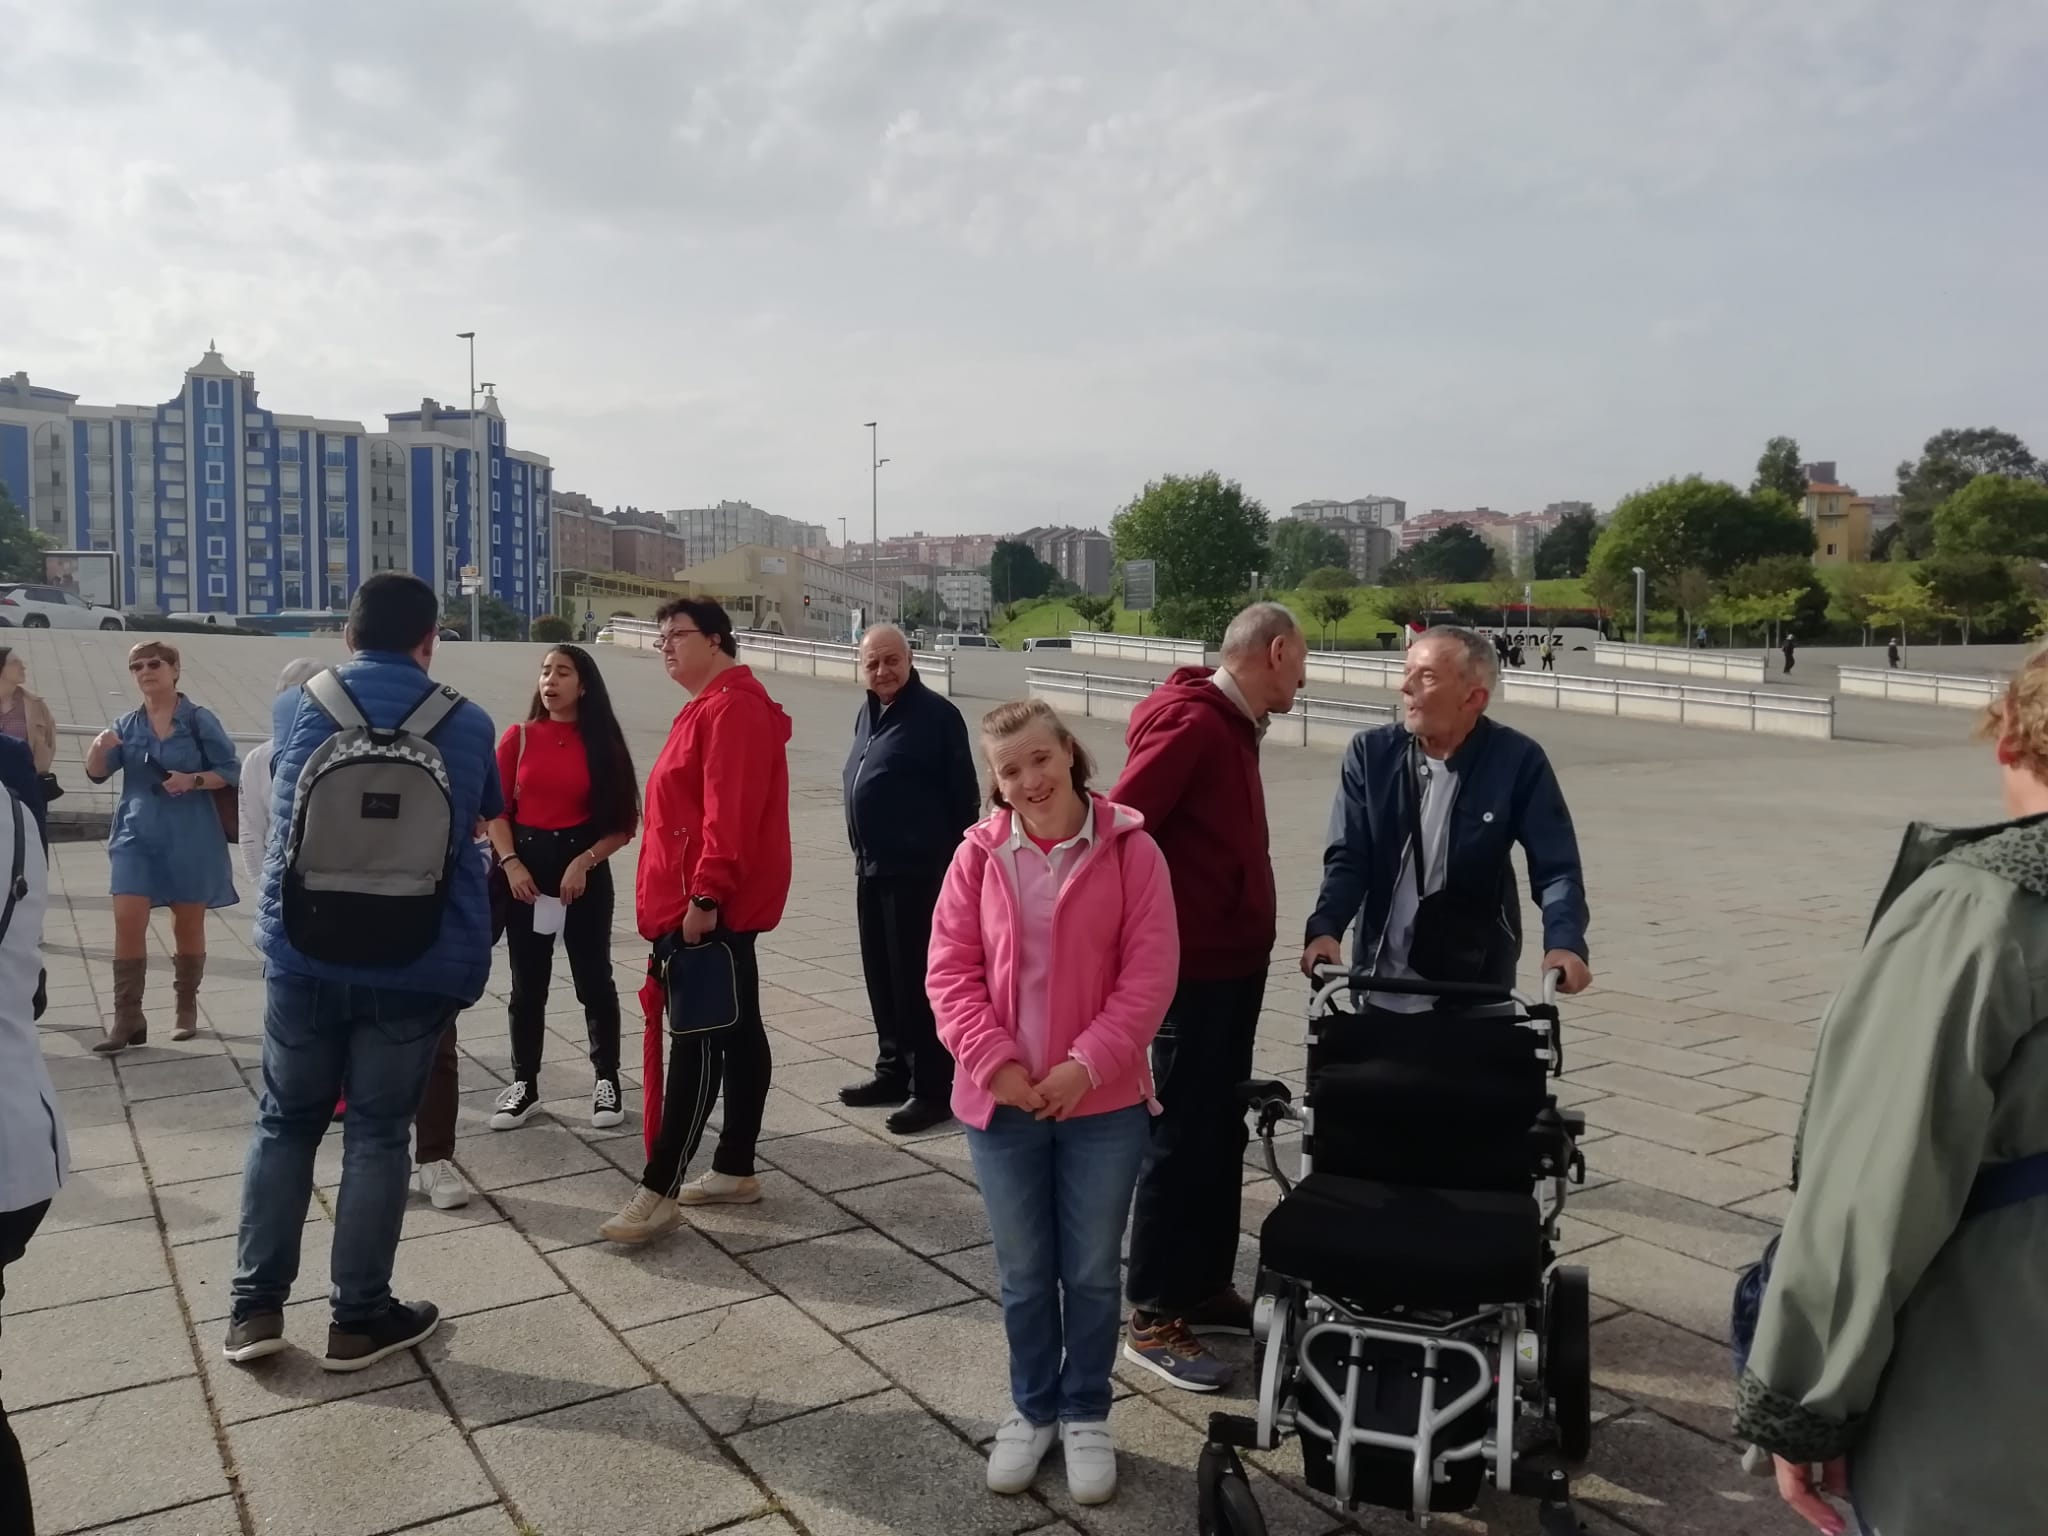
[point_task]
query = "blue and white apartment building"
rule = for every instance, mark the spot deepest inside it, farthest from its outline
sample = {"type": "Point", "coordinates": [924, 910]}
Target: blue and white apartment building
{"type": "Point", "coordinates": [213, 504]}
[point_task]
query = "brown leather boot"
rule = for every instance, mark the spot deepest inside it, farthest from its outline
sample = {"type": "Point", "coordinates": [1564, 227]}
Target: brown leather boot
{"type": "Point", "coordinates": [130, 1027]}
{"type": "Point", "coordinates": [188, 969]}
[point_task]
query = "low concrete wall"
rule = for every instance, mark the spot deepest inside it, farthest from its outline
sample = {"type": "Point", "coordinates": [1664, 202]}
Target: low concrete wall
{"type": "Point", "coordinates": [1156, 648]}
{"type": "Point", "coordinates": [1902, 687]}
{"type": "Point", "coordinates": [1729, 666]}
{"type": "Point", "coordinates": [1728, 709]}
{"type": "Point", "coordinates": [1311, 723]}
{"type": "Point", "coordinates": [805, 658]}
{"type": "Point", "coordinates": [1355, 671]}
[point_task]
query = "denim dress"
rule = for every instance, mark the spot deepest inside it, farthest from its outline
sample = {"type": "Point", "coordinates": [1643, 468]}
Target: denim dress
{"type": "Point", "coordinates": [167, 847]}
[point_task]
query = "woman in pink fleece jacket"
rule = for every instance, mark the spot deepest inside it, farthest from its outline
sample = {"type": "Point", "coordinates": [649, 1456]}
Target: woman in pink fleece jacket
{"type": "Point", "coordinates": [1053, 956]}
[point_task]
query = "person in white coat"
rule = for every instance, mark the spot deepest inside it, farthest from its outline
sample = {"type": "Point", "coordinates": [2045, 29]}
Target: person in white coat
{"type": "Point", "coordinates": [34, 1157]}
{"type": "Point", "coordinates": [255, 829]}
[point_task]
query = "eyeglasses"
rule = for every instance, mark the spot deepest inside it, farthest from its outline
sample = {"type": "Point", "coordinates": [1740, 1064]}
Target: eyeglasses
{"type": "Point", "coordinates": [669, 637]}
{"type": "Point", "coordinates": [147, 664]}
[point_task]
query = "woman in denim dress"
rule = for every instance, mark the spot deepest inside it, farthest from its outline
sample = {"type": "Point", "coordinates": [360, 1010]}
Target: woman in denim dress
{"type": "Point", "coordinates": [167, 847]}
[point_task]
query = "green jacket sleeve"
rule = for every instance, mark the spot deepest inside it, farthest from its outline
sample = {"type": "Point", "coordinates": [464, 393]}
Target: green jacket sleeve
{"type": "Point", "coordinates": [1894, 1132]}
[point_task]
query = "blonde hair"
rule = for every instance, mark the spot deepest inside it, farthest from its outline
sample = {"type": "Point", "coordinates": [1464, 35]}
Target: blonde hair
{"type": "Point", "coordinates": [2023, 715]}
{"type": "Point", "coordinates": [162, 650]}
{"type": "Point", "coordinates": [1006, 720]}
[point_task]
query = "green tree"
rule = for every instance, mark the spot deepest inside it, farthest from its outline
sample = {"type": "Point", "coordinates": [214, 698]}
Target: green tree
{"type": "Point", "coordinates": [501, 620]}
{"type": "Point", "coordinates": [1448, 555]}
{"type": "Point", "coordinates": [1784, 573]}
{"type": "Point", "coordinates": [1780, 469]}
{"type": "Point", "coordinates": [1092, 610]}
{"type": "Point", "coordinates": [1994, 515]}
{"type": "Point", "coordinates": [1328, 578]}
{"type": "Point", "coordinates": [1015, 571]}
{"type": "Point", "coordinates": [552, 629]}
{"type": "Point", "coordinates": [1972, 588]}
{"type": "Point", "coordinates": [1856, 591]}
{"type": "Point", "coordinates": [1564, 551]}
{"type": "Point", "coordinates": [1907, 605]}
{"type": "Point", "coordinates": [1950, 460]}
{"type": "Point", "coordinates": [1411, 602]}
{"type": "Point", "coordinates": [1205, 533]}
{"type": "Point", "coordinates": [1197, 618]}
{"type": "Point", "coordinates": [920, 609]}
{"type": "Point", "coordinates": [1698, 522]}
{"type": "Point", "coordinates": [1330, 608]}
{"type": "Point", "coordinates": [1692, 592]}
{"type": "Point", "coordinates": [1299, 547]}
{"type": "Point", "coordinates": [21, 547]}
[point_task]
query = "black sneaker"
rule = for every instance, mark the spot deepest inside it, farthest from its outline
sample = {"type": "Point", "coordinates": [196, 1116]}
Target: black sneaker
{"type": "Point", "coordinates": [919, 1115]}
{"type": "Point", "coordinates": [257, 1335]}
{"type": "Point", "coordinates": [515, 1105]}
{"type": "Point", "coordinates": [400, 1326]}
{"type": "Point", "coordinates": [607, 1107]}
{"type": "Point", "coordinates": [874, 1093]}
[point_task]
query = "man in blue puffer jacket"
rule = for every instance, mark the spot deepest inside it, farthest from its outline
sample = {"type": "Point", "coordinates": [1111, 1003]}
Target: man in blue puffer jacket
{"type": "Point", "coordinates": [369, 1031]}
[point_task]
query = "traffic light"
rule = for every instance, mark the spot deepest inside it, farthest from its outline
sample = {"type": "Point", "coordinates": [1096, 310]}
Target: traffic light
{"type": "Point", "coordinates": [807, 599]}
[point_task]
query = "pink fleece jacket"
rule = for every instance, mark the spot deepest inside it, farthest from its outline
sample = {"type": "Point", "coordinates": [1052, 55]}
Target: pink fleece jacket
{"type": "Point", "coordinates": [1116, 953]}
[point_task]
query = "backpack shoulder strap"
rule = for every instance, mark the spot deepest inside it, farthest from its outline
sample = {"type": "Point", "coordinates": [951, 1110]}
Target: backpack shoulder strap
{"type": "Point", "coordinates": [17, 887]}
{"type": "Point", "coordinates": [327, 690]}
{"type": "Point", "coordinates": [426, 716]}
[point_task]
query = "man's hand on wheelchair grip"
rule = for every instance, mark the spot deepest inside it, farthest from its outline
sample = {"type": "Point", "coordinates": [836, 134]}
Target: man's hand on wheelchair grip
{"type": "Point", "coordinates": [1322, 951]}
{"type": "Point", "coordinates": [1012, 1085]}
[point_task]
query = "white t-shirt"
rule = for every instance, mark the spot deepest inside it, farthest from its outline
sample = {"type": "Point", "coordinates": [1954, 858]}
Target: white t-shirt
{"type": "Point", "coordinates": [1439, 794]}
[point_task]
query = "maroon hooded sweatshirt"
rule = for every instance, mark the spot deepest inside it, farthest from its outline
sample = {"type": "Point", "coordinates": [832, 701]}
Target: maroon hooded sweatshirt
{"type": "Point", "coordinates": [1193, 774]}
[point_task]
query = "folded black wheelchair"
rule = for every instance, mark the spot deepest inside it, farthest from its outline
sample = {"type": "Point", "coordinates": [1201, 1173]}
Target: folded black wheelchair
{"type": "Point", "coordinates": [1414, 1329]}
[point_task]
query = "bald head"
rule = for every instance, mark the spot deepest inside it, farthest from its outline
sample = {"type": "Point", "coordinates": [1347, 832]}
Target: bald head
{"type": "Point", "coordinates": [1266, 653]}
{"type": "Point", "coordinates": [885, 661]}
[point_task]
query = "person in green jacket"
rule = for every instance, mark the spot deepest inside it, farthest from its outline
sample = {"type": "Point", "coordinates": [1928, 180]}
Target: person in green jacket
{"type": "Point", "coordinates": [1900, 1361]}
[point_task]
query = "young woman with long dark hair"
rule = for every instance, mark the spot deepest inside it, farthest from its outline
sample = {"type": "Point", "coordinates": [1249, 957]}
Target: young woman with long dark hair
{"type": "Point", "coordinates": [572, 800]}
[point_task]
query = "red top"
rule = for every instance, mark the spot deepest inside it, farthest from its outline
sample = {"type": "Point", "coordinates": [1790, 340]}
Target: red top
{"type": "Point", "coordinates": [548, 786]}
{"type": "Point", "coordinates": [717, 813]}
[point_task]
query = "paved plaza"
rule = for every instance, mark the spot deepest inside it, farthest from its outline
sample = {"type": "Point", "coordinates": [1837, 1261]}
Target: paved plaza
{"type": "Point", "coordinates": [830, 1361]}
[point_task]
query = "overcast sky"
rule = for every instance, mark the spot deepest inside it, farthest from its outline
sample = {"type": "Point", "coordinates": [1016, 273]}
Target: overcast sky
{"type": "Point", "coordinates": [1457, 251]}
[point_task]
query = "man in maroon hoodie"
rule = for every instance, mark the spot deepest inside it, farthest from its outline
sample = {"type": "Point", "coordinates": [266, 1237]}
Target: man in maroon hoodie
{"type": "Point", "coordinates": [1193, 774]}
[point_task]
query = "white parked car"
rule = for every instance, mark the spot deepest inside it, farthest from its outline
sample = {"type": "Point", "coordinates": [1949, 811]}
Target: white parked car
{"type": "Point", "coordinates": [34, 607]}
{"type": "Point", "coordinates": [1049, 643]}
{"type": "Point", "coordinates": [605, 636]}
{"type": "Point", "coordinates": [952, 642]}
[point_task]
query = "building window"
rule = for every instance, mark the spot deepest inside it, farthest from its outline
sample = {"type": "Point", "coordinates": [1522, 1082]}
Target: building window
{"type": "Point", "coordinates": [496, 569]}
{"type": "Point", "coordinates": [145, 554]}
{"type": "Point", "coordinates": [294, 594]}
{"type": "Point", "coordinates": [174, 453]}
{"type": "Point", "coordinates": [494, 501]}
{"type": "Point", "coordinates": [213, 391]}
{"type": "Point", "coordinates": [216, 474]}
{"type": "Point", "coordinates": [496, 465]}
{"type": "Point", "coordinates": [337, 456]}
{"type": "Point", "coordinates": [495, 531]}
{"type": "Point", "coordinates": [288, 520]}
{"type": "Point", "coordinates": [337, 594]}
{"type": "Point", "coordinates": [288, 454]}
{"type": "Point", "coordinates": [216, 549]}
{"type": "Point", "coordinates": [215, 437]}
{"type": "Point", "coordinates": [216, 586]}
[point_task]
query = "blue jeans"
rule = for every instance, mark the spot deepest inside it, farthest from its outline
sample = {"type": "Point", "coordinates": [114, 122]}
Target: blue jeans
{"type": "Point", "coordinates": [323, 1040]}
{"type": "Point", "coordinates": [1058, 1195]}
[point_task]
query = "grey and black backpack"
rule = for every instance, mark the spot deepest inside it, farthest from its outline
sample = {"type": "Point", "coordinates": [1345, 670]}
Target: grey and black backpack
{"type": "Point", "coordinates": [371, 850]}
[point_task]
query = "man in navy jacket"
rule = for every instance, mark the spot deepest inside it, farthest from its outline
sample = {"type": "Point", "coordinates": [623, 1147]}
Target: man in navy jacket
{"type": "Point", "coordinates": [371, 1030]}
{"type": "Point", "coordinates": [910, 792]}
{"type": "Point", "coordinates": [1466, 790]}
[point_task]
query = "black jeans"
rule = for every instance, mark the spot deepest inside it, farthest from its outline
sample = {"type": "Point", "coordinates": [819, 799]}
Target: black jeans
{"type": "Point", "coordinates": [697, 1064]}
{"type": "Point", "coordinates": [17, 1518]}
{"type": "Point", "coordinates": [1184, 1219]}
{"type": "Point", "coordinates": [895, 916]}
{"type": "Point", "coordinates": [587, 936]}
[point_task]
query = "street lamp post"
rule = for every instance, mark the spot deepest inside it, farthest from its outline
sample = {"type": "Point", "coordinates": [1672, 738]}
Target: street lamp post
{"type": "Point", "coordinates": [475, 491]}
{"type": "Point", "coordinates": [874, 518]}
{"type": "Point", "coordinates": [1642, 579]}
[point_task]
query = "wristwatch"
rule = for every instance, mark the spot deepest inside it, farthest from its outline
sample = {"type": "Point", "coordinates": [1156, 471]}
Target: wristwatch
{"type": "Point", "coordinates": [703, 903]}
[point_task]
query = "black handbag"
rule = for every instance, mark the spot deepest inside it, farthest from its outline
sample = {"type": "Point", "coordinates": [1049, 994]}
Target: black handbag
{"type": "Point", "coordinates": [702, 981]}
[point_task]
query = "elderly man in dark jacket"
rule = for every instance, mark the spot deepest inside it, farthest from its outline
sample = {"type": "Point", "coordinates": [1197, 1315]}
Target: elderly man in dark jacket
{"type": "Point", "coordinates": [910, 792]}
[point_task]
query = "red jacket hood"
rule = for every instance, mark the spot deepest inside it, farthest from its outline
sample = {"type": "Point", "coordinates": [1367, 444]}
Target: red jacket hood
{"type": "Point", "coordinates": [737, 687]}
{"type": "Point", "coordinates": [1190, 685]}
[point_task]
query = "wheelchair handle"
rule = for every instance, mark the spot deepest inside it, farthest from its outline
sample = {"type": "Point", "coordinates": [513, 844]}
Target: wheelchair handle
{"type": "Point", "coordinates": [1364, 980]}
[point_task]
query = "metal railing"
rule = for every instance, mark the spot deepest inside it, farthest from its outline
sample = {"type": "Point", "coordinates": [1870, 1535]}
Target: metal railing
{"type": "Point", "coordinates": [786, 653]}
{"type": "Point", "coordinates": [1956, 690]}
{"type": "Point", "coordinates": [1160, 648]}
{"type": "Point", "coordinates": [1732, 666]}
{"type": "Point", "coordinates": [1773, 714]}
{"type": "Point", "coordinates": [1312, 722]}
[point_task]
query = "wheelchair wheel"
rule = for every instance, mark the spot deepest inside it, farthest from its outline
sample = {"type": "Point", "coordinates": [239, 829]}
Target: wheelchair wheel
{"type": "Point", "coordinates": [1238, 1512]}
{"type": "Point", "coordinates": [1568, 1373]}
{"type": "Point", "coordinates": [1224, 1502]}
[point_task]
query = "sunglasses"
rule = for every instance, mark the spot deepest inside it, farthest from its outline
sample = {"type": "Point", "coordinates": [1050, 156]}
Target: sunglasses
{"type": "Point", "coordinates": [147, 664]}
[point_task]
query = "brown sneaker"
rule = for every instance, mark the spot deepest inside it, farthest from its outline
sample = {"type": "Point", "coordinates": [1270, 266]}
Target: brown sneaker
{"type": "Point", "coordinates": [1168, 1349]}
{"type": "Point", "coordinates": [1225, 1312]}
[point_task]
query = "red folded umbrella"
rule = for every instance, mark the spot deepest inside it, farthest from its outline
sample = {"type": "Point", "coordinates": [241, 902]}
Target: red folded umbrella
{"type": "Point", "coordinates": [654, 1010]}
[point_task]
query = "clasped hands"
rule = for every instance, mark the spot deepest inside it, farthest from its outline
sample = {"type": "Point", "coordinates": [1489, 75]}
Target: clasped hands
{"type": "Point", "coordinates": [1052, 1097]}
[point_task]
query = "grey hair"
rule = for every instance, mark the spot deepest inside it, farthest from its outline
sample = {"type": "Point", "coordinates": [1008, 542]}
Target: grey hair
{"type": "Point", "coordinates": [1482, 665]}
{"type": "Point", "coordinates": [1254, 630]}
{"type": "Point", "coordinates": [885, 629]}
{"type": "Point", "coordinates": [297, 671]}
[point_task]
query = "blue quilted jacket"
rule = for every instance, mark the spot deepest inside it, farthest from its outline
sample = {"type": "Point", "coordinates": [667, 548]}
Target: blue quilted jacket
{"type": "Point", "coordinates": [386, 686]}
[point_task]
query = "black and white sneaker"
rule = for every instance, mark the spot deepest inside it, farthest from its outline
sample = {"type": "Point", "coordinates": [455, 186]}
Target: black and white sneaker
{"type": "Point", "coordinates": [259, 1334]}
{"type": "Point", "coordinates": [607, 1108]}
{"type": "Point", "coordinates": [515, 1105]}
{"type": "Point", "coordinates": [399, 1326]}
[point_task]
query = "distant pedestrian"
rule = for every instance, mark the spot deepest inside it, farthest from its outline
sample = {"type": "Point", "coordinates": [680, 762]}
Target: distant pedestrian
{"type": "Point", "coordinates": [1789, 650]}
{"type": "Point", "coordinates": [255, 788]}
{"type": "Point", "coordinates": [1500, 646]}
{"type": "Point", "coordinates": [1891, 653]}
{"type": "Point", "coordinates": [168, 846]}
{"type": "Point", "coordinates": [1700, 637]}
{"type": "Point", "coordinates": [25, 716]}
{"type": "Point", "coordinates": [1548, 652]}
{"type": "Point", "coordinates": [910, 792]}
{"type": "Point", "coordinates": [1515, 655]}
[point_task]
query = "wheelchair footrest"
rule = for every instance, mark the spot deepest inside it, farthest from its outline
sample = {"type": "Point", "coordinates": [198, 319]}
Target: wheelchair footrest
{"type": "Point", "coordinates": [1234, 1429]}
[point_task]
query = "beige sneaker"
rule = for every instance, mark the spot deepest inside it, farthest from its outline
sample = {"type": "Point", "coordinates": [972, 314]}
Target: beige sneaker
{"type": "Point", "coordinates": [647, 1215]}
{"type": "Point", "coordinates": [720, 1189]}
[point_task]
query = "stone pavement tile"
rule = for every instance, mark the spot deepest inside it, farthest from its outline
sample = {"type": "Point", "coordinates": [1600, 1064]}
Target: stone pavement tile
{"type": "Point", "coordinates": [1680, 1173]}
{"type": "Point", "coordinates": [537, 1150]}
{"type": "Point", "coordinates": [810, 1022]}
{"type": "Point", "coordinates": [931, 1214]}
{"type": "Point", "coordinates": [472, 1271]}
{"type": "Point", "coordinates": [1757, 1005]}
{"type": "Point", "coordinates": [855, 1279]}
{"type": "Point", "coordinates": [785, 1114]}
{"type": "Point", "coordinates": [786, 1051]}
{"type": "Point", "coordinates": [1770, 1206]}
{"type": "Point", "coordinates": [1667, 1285]}
{"type": "Point", "coordinates": [491, 1521]}
{"type": "Point", "coordinates": [1669, 1127]}
{"type": "Point", "coordinates": [630, 1287]}
{"type": "Point", "coordinates": [99, 1146]}
{"type": "Point", "coordinates": [1679, 1374]}
{"type": "Point", "coordinates": [423, 1220]}
{"type": "Point", "coordinates": [787, 1213]}
{"type": "Point", "coordinates": [818, 1079]}
{"type": "Point", "coordinates": [361, 1465]}
{"type": "Point", "coordinates": [111, 1458]}
{"type": "Point", "coordinates": [1794, 1058]}
{"type": "Point", "coordinates": [847, 999]}
{"type": "Point", "coordinates": [1570, 1092]}
{"type": "Point", "coordinates": [100, 1104]}
{"type": "Point", "coordinates": [1575, 1236]}
{"type": "Point", "coordinates": [1775, 1115]}
{"type": "Point", "coordinates": [977, 1266]}
{"type": "Point", "coordinates": [209, 1111]}
{"type": "Point", "coordinates": [187, 1074]}
{"type": "Point", "coordinates": [1664, 1480]}
{"type": "Point", "coordinates": [955, 1362]}
{"type": "Point", "coordinates": [202, 1209]}
{"type": "Point", "coordinates": [1623, 1026]}
{"type": "Point", "coordinates": [1715, 1236]}
{"type": "Point", "coordinates": [95, 1197]}
{"type": "Point", "coordinates": [567, 1471]}
{"type": "Point", "coordinates": [1657, 1087]}
{"type": "Point", "coordinates": [565, 1213]}
{"type": "Point", "coordinates": [753, 1364]}
{"type": "Point", "coordinates": [283, 1382]}
{"type": "Point", "coordinates": [1656, 1010]}
{"type": "Point", "coordinates": [75, 1073]}
{"type": "Point", "coordinates": [527, 1359]}
{"type": "Point", "coordinates": [881, 1466]}
{"type": "Point", "coordinates": [843, 1158]}
{"type": "Point", "coordinates": [1772, 1155]}
{"type": "Point", "coordinates": [1650, 1055]}
{"type": "Point", "coordinates": [185, 1156]}
{"type": "Point", "coordinates": [1769, 1081]}
{"type": "Point", "coordinates": [86, 1265]}
{"type": "Point", "coordinates": [94, 1347]}
{"type": "Point", "coordinates": [209, 1517]}
{"type": "Point", "coordinates": [1156, 1456]}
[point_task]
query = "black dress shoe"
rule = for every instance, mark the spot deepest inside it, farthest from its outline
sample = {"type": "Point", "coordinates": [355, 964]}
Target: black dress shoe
{"type": "Point", "coordinates": [875, 1091]}
{"type": "Point", "coordinates": [919, 1115]}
